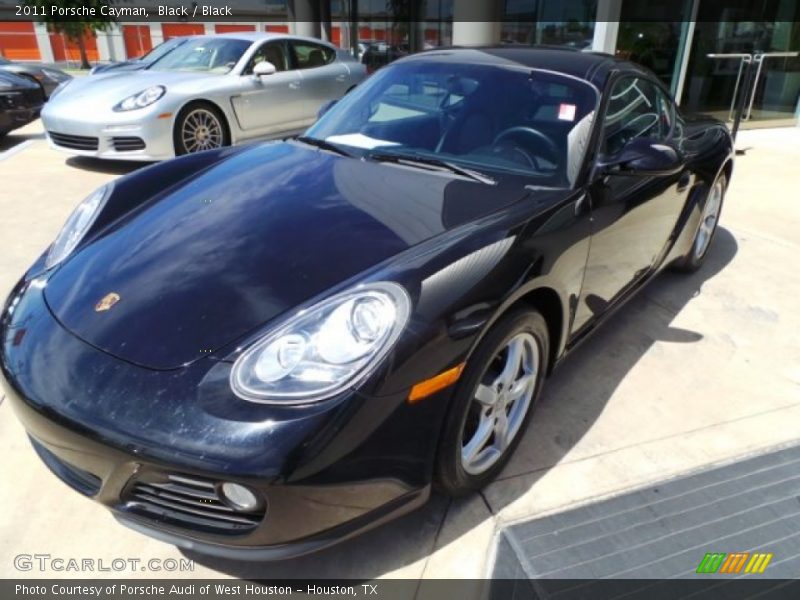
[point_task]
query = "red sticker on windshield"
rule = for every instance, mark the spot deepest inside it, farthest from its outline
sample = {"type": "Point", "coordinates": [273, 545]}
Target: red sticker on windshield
{"type": "Point", "coordinates": [566, 112]}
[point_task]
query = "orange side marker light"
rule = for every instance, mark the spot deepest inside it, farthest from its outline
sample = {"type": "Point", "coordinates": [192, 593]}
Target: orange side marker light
{"type": "Point", "coordinates": [430, 386]}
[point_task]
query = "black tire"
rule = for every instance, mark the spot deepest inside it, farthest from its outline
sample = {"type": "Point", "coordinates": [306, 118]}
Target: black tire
{"type": "Point", "coordinates": [186, 112]}
{"type": "Point", "coordinates": [450, 474]}
{"type": "Point", "coordinates": [693, 260]}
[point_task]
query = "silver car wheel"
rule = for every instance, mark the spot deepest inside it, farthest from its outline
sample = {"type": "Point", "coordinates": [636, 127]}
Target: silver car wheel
{"type": "Point", "coordinates": [500, 404]}
{"type": "Point", "coordinates": [201, 130]}
{"type": "Point", "coordinates": [709, 220]}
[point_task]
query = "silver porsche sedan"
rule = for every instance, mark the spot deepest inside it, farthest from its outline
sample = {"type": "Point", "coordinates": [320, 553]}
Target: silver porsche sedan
{"type": "Point", "coordinates": [209, 92]}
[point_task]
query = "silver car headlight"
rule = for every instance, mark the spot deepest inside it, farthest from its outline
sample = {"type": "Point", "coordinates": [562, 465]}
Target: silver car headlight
{"type": "Point", "coordinates": [141, 99]}
{"type": "Point", "coordinates": [78, 223]}
{"type": "Point", "coordinates": [325, 349]}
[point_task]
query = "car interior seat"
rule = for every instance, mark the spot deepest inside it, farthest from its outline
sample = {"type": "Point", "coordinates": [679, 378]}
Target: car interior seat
{"type": "Point", "coordinates": [315, 59]}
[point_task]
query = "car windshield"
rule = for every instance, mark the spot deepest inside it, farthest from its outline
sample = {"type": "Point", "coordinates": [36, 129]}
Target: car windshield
{"type": "Point", "coordinates": [162, 49]}
{"type": "Point", "coordinates": [206, 55]}
{"type": "Point", "coordinates": [493, 118]}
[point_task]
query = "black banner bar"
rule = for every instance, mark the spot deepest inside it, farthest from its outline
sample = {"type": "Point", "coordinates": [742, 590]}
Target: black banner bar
{"type": "Point", "coordinates": [714, 587]}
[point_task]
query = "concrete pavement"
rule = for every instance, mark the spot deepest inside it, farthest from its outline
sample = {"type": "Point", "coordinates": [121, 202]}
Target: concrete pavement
{"type": "Point", "coordinates": [698, 370]}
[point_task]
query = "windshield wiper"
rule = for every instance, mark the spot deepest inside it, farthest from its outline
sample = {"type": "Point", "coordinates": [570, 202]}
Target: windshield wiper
{"type": "Point", "coordinates": [322, 144]}
{"type": "Point", "coordinates": [436, 163]}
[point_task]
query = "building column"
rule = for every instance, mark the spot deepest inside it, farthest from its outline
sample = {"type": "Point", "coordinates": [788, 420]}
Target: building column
{"type": "Point", "coordinates": [156, 34]}
{"type": "Point", "coordinates": [109, 44]}
{"type": "Point", "coordinates": [43, 41]}
{"type": "Point", "coordinates": [476, 22]}
{"type": "Point", "coordinates": [304, 17]}
{"type": "Point", "coordinates": [606, 26]}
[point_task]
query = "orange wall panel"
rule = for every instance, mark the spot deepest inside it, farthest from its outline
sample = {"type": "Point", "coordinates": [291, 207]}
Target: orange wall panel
{"type": "Point", "coordinates": [18, 41]}
{"type": "Point", "coordinates": [64, 49]}
{"type": "Point", "coordinates": [137, 40]}
{"type": "Point", "coordinates": [171, 30]}
{"type": "Point", "coordinates": [229, 28]}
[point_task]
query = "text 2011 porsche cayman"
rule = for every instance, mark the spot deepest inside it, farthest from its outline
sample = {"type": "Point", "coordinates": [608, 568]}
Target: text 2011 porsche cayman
{"type": "Point", "coordinates": [258, 351]}
{"type": "Point", "coordinates": [204, 93]}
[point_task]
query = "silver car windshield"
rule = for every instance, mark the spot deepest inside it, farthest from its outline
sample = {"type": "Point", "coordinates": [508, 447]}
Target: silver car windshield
{"type": "Point", "coordinates": [495, 118]}
{"type": "Point", "coordinates": [205, 55]}
{"type": "Point", "coordinates": [162, 50]}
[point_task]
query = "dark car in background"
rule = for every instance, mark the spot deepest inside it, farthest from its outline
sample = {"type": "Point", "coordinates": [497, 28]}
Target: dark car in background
{"type": "Point", "coordinates": [21, 101]}
{"type": "Point", "coordinates": [48, 78]}
{"type": "Point", "coordinates": [380, 54]}
{"type": "Point", "coordinates": [137, 64]}
{"type": "Point", "coordinates": [258, 351]}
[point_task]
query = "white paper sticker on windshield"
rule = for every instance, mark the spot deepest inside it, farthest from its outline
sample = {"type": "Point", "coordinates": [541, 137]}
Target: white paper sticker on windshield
{"type": "Point", "coordinates": [359, 140]}
{"type": "Point", "coordinates": [566, 112]}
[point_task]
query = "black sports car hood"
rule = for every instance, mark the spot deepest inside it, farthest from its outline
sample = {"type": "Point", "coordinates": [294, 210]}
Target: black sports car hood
{"type": "Point", "coordinates": [259, 232]}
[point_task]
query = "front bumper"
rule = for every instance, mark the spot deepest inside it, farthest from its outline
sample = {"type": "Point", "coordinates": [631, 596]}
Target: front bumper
{"type": "Point", "coordinates": [297, 520]}
{"type": "Point", "coordinates": [119, 136]}
{"type": "Point", "coordinates": [323, 476]}
{"type": "Point", "coordinates": [17, 111]}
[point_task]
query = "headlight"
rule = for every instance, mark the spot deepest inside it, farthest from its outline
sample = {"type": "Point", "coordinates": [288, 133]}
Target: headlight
{"type": "Point", "coordinates": [323, 350]}
{"type": "Point", "coordinates": [142, 99]}
{"type": "Point", "coordinates": [56, 75]}
{"type": "Point", "coordinates": [76, 227]}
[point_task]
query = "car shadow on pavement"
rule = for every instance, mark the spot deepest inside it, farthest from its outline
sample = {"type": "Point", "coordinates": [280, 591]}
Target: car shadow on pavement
{"type": "Point", "coordinates": [573, 399]}
{"type": "Point", "coordinates": [12, 139]}
{"type": "Point", "coordinates": [108, 167]}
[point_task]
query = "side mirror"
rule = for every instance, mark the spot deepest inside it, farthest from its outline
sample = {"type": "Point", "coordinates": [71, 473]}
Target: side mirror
{"type": "Point", "coordinates": [643, 156]}
{"type": "Point", "coordinates": [325, 108]}
{"type": "Point", "coordinates": [264, 68]}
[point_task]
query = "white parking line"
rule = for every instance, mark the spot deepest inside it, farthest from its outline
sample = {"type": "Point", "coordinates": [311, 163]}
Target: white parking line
{"type": "Point", "coordinates": [18, 148]}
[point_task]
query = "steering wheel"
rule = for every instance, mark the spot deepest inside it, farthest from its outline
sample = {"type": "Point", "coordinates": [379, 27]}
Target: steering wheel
{"type": "Point", "coordinates": [544, 146]}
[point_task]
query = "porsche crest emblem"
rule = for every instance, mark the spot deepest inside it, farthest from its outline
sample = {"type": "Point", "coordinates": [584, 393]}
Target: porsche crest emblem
{"type": "Point", "coordinates": [107, 302]}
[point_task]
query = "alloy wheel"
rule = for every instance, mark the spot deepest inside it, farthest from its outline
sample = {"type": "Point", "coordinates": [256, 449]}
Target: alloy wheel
{"type": "Point", "coordinates": [709, 220]}
{"type": "Point", "coordinates": [201, 130]}
{"type": "Point", "coordinates": [500, 403]}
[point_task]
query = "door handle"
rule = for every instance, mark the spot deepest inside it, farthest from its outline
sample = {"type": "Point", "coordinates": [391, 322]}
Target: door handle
{"type": "Point", "coordinates": [294, 85]}
{"type": "Point", "coordinates": [341, 77]}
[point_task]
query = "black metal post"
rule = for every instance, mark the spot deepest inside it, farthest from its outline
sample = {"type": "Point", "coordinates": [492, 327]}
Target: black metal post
{"type": "Point", "coordinates": [744, 94]}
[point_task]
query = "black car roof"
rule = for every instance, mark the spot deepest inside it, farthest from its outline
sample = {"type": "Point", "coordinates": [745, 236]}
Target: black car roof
{"type": "Point", "coordinates": [594, 67]}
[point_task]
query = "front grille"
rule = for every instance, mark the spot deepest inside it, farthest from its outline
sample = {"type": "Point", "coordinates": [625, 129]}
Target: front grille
{"type": "Point", "coordinates": [188, 502]}
{"type": "Point", "coordinates": [127, 144]}
{"type": "Point", "coordinates": [75, 142]}
{"type": "Point", "coordinates": [83, 481]}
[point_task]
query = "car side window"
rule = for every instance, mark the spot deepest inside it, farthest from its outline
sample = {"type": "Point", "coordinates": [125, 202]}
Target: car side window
{"type": "Point", "coordinates": [274, 52]}
{"type": "Point", "coordinates": [308, 55]}
{"type": "Point", "coordinates": [637, 108]}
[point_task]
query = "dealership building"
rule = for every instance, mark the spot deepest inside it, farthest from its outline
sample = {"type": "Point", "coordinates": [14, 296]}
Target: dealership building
{"type": "Point", "coordinates": [702, 49]}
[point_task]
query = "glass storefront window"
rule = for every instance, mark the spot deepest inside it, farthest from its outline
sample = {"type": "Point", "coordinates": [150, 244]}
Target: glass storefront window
{"type": "Point", "coordinates": [382, 31]}
{"type": "Point", "coordinates": [555, 23]}
{"type": "Point", "coordinates": [656, 43]}
{"type": "Point", "coordinates": [764, 33]}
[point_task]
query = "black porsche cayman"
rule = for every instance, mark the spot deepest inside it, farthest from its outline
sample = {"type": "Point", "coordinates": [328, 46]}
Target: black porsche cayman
{"type": "Point", "coordinates": [258, 351]}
